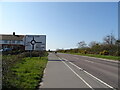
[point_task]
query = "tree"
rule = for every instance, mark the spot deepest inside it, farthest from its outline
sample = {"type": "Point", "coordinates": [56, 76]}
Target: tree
{"type": "Point", "coordinates": [93, 43]}
{"type": "Point", "coordinates": [109, 39]}
{"type": "Point", "coordinates": [81, 44]}
{"type": "Point", "coordinates": [49, 50]}
{"type": "Point", "coordinates": [118, 42]}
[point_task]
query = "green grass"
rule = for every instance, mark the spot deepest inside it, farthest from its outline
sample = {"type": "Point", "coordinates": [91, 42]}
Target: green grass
{"type": "Point", "coordinates": [28, 73]}
{"type": "Point", "coordinates": [99, 56]}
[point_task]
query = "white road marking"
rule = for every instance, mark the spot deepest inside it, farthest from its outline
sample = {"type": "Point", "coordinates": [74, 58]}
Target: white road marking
{"type": "Point", "coordinates": [75, 55]}
{"type": "Point", "coordinates": [77, 74]}
{"type": "Point", "coordinates": [84, 60]}
{"type": "Point", "coordinates": [76, 66]}
{"type": "Point", "coordinates": [102, 59]}
{"type": "Point", "coordinates": [76, 58]}
{"type": "Point", "coordinates": [89, 61]}
{"type": "Point", "coordinates": [91, 75]}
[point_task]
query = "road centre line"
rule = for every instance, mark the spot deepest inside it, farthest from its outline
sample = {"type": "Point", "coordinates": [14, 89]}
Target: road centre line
{"type": "Point", "coordinates": [75, 55]}
{"type": "Point", "coordinates": [90, 74]}
{"type": "Point", "coordinates": [84, 60]}
{"type": "Point", "coordinates": [89, 61]}
{"type": "Point", "coordinates": [77, 74]}
{"type": "Point", "coordinates": [101, 59]}
{"type": "Point", "coordinates": [98, 58]}
{"type": "Point", "coordinates": [76, 58]}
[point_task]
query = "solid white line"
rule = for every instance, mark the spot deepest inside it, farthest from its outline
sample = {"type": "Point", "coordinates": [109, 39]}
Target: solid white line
{"type": "Point", "coordinates": [99, 80]}
{"type": "Point", "coordinates": [76, 66]}
{"type": "Point", "coordinates": [77, 74]}
{"type": "Point", "coordinates": [73, 64]}
{"type": "Point", "coordinates": [90, 75]}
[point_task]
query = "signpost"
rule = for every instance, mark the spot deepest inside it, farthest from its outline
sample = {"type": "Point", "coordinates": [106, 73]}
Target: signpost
{"type": "Point", "coordinates": [35, 42]}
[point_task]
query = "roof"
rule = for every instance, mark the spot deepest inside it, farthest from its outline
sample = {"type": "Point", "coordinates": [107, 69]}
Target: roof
{"type": "Point", "coordinates": [11, 37]}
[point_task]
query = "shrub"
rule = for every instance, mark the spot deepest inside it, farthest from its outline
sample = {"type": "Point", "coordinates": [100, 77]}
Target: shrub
{"type": "Point", "coordinates": [83, 52]}
{"type": "Point", "coordinates": [35, 54]}
{"type": "Point", "coordinates": [13, 52]}
{"type": "Point", "coordinates": [101, 53]}
{"type": "Point", "coordinates": [117, 53]}
{"type": "Point", "coordinates": [104, 52]}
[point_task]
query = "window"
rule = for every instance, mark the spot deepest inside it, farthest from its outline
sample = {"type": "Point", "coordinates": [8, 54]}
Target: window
{"type": "Point", "coordinates": [18, 42]}
{"type": "Point", "coordinates": [5, 41]}
{"type": "Point", "coordinates": [13, 41]}
{"type": "Point", "coordinates": [0, 41]}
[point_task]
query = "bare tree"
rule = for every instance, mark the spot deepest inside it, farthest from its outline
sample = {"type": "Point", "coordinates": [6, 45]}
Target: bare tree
{"type": "Point", "coordinates": [93, 43]}
{"type": "Point", "coordinates": [109, 39]}
{"type": "Point", "coordinates": [118, 42]}
{"type": "Point", "coordinates": [81, 44]}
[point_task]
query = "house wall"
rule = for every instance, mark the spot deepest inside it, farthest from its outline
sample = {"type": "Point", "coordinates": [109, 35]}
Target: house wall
{"type": "Point", "coordinates": [19, 42]}
{"type": "Point", "coordinates": [14, 44]}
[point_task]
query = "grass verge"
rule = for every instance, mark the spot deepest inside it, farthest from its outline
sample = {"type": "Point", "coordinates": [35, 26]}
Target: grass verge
{"type": "Point", "coordinates": [27, 73]}
{"type": "Point", "coordinates": [99, 56]}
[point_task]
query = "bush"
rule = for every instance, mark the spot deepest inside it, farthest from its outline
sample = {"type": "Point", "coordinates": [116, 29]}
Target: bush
{"type": "Point", "coordinates": [13, 52]}
{"type": "Point", "coordinates": [101, 53]}
{"type": "Point", "coordinates": [117, 53]}
{"type": "Point", "coordinates": [83, 51]}
{"type": "Point", "coordinates": [104, 52]}
{"type": "Point", "coordinates": [35, 54]}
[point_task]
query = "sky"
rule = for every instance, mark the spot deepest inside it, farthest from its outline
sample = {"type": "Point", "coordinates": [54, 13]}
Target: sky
{"type": "Point", "coordinates": [64, 23]}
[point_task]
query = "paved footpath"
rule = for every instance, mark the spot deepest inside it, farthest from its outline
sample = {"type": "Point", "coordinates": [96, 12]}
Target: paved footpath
{"type": "Point", "coordinates": [61, 74]}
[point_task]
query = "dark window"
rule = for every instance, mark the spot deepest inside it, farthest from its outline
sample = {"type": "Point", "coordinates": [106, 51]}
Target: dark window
{"type": "Point", "coordinates": [5, 41]}
{"type": "Point", "coordinates": [13, 41]}
{"type": "Point", "coordinates": [18, 42]}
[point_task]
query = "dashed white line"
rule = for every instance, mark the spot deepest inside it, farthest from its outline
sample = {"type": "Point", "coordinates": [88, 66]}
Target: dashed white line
{"type": "Point", "coordinates": [102, 59]}
{"type": "Point", "coordinates": [90, 74]}
{"type": "Point", "coordinates": [84, 60]}
{"type": "Point", "coordinates": [77, 74]}
{"type": "Point", "coordinates": [89, 61]}
{"type": "Point", "coordinates": [75, 55]}
{"type": "Point", "coordinates": [76, 58]}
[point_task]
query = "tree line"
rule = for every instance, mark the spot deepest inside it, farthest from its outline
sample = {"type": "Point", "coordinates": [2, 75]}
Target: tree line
{"type": "Point", "coordinates": [109, 46]}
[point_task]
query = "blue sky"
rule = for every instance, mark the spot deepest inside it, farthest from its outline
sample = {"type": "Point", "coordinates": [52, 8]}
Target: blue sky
{"type": "Point", "coordinates": [64, 23]}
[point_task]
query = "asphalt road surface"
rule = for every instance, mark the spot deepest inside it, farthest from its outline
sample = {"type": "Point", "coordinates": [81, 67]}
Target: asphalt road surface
{"type": "Point", "coordinates": [74, 71]}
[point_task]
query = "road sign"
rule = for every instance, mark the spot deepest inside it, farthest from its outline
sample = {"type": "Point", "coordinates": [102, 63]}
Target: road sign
{"type": "Point", "coordinates": [35, 42]}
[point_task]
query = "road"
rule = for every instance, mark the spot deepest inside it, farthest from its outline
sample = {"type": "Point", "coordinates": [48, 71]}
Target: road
{"type": "Point", "coordinates": [74, 71]}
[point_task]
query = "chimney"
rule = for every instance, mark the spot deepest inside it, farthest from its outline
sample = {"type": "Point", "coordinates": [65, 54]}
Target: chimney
{"type": "Point", "coordinates": [14, 33]}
